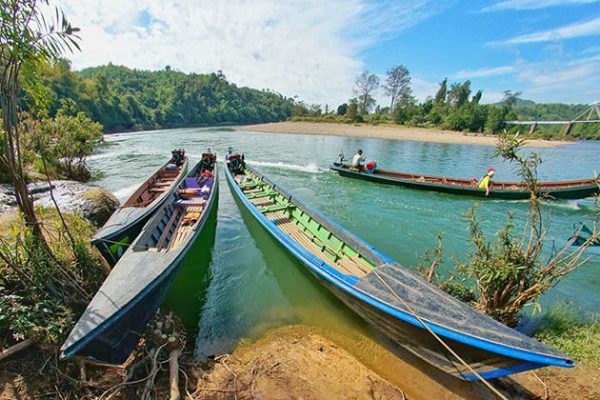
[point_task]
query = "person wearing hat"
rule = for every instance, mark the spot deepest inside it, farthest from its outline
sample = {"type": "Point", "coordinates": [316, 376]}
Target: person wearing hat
{"type": "Point", "coordinates": [486, 181]}
{"type": "Point", "coordinates": [358, 159]}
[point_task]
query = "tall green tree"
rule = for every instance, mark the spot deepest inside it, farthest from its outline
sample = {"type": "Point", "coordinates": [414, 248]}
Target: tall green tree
{"type": "Point", "coordinates": [397, 84]}
{"type": "Point", "coordinates": [25, 38]}
{"type": "Point", "coordinates": [365, 86]}
{"type": "Point", "coordinates": [459, 93]}
{"type": "Point", "coordinates": [477, 97]}
{"type": "Point", "coordinates": [440, 96]}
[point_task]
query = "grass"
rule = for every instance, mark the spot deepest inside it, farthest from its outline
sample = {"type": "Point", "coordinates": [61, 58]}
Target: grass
{"type": "Point", "coordinates": [563, 328]}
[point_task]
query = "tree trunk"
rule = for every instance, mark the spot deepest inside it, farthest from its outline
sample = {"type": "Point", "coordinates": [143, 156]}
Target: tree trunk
{"type": "Point", "coordinates": [12, 151]}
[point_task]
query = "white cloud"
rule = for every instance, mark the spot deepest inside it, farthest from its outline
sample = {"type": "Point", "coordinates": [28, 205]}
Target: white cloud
{"type": "Point", "coordinates": [423, 88]}
{"type": "Point", "coordinates": [532, 4]}
{"type": "Point", "coordinates": [483, 72]}
{"type": "Point", "coordinates": [578, 29]}
{"type": "Point", "coordinates": [307, 48]}
{"type": "Point", "coordinates": [491, 97]}
{"type": "Point", "coordinates": [572, 81]}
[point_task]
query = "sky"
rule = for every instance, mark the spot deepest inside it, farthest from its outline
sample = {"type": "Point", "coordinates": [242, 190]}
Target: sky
{"type": "Point", "coordinates": [314, 49]}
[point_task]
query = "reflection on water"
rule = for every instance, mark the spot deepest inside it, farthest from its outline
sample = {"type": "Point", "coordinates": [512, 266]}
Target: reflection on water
{"type": "Point", "coordinates": [246, 283]}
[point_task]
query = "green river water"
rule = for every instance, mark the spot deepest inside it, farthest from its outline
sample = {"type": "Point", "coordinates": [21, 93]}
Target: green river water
{"type": "Point", "coordinates": [238, 282]}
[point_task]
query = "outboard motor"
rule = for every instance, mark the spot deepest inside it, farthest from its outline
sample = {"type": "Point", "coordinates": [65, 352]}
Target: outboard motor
{"type": "Point", "coordinates": [208, 160]}
{"type": "Point", "coordinates": [236, 164]}
{"type": "Point", "coordinates": [178, 157]}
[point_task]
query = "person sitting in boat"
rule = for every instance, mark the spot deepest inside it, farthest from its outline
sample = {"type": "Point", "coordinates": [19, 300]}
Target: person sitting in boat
{"type": "Point", "coordinates": [486, 181]}
{"type": "Point", "coordinates": [357, 160]}
{"type": "Point", "coordinates": [370, 167]}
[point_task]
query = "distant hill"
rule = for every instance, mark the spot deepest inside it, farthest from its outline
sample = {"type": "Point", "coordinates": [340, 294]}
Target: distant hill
{"type": "Point", "coordinates": [125, 99]}
{"type": "Point", "coordinates": [527, 109]}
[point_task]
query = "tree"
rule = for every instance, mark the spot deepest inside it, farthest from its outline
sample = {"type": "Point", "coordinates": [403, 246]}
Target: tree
{"type": "Point", "coordinates": [25, 38]}
{"type": "Point", "coordinates": [342, 109]}
{"type": "Point", "coordinates": [352, 109]}
{"type": "Point", "coordinates": [459, 93]}
{"type": "Point", "coordinates": [397, 84]}
{"type": "Point", "coordinates": [498, 114]}
{"type": "Point", "coordinates": [510, 99]}
{"type": "Point", "coordinates": [365, 86]}
{"type": "Point", "coordinates": [440, 96]}
{"type": "Point", "coordinates": [477, 97]}
{"type": "Point", "coordinates": [64, 142]}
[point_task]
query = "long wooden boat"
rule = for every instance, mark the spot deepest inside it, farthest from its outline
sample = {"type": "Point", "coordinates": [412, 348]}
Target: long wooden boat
{"type": "Point", "coordinates": [575, 189]}
{"type": "Point", "coordinates": [110, 327]}
{"type": "Point", "coordinates": [386, 294]}
{"type": "Point", "coordinates": [126, 222]}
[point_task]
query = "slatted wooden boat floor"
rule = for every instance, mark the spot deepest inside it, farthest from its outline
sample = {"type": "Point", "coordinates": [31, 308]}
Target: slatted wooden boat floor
{"type": "Point", "coordinates": [349, 265]}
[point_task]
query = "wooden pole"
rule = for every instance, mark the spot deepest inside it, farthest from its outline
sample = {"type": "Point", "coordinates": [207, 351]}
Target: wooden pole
{"type": "Point", "coordinates": [16, 348]}
{"type": "Point", "coordinates": [174, 369]}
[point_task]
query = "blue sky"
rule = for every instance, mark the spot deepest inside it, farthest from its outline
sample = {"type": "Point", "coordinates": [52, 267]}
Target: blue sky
{"type": "Point", "coordinates": [548, 49]}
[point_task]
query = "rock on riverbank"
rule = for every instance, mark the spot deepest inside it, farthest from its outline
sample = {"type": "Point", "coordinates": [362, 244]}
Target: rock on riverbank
{"type": "Point", "coordinates": [90, 201]}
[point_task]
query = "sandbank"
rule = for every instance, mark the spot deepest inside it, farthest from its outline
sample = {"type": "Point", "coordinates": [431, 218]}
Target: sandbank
{"type": "Point", "coordinates": [390, 132]}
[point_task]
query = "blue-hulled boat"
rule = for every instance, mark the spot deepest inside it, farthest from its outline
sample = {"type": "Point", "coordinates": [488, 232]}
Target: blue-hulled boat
{"type": "Point", "coordinates": [127, 221]}
{"type": "Point", "coordinates": [391, 297]}
{"type": "Point", "coordinates": [112, 324]}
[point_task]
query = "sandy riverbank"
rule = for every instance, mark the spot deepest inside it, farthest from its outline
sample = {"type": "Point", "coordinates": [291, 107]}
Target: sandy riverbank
{"type": "Point", "coordinates": [289, 362]}
{"type": "Point", "coordinates": [303, 362]}
{"type": "Point", "coordinates": [388, 132]}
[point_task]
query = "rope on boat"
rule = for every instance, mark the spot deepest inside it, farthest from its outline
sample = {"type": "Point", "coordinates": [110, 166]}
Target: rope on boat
{"type": "Point", "coordinates": [446, 346]}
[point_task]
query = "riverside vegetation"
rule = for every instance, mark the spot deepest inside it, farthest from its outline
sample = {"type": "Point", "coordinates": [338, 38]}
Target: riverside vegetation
{"type": "Point", "coordinates": [454, 106]}
{"type": "Point", "coordinates": [122, 99]}
{"type": "Point", "coordinates": [503, 276]}
{"type": "Point", "coordinates": [48, 272]}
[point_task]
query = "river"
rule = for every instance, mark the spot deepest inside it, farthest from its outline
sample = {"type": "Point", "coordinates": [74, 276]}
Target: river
{"type": "Point", "coordinates": [238, 282]}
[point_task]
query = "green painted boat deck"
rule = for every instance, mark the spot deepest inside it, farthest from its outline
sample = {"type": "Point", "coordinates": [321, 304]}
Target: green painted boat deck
{"type": "Point", "coordinates": [302, 228]}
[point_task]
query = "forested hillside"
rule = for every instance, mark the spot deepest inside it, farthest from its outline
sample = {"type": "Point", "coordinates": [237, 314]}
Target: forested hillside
{"type": "Point", "coordinates": [123, 99]}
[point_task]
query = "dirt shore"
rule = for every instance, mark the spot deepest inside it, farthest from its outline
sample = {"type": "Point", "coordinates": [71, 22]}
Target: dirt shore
{"type": "Point", "coordinates": [302, 362]}
{"type": "Point", "coordinates": [291, 362]}
{"type": "Point", "coordinates": [391, 132]}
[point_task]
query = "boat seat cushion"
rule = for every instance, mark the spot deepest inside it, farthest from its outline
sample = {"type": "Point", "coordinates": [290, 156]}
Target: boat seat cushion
{"type": "Point", "coordinates": [191, 183]}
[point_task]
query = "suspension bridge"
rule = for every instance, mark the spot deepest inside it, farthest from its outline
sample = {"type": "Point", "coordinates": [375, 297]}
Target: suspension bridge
{"type": "Point", "coordinates": [590, 115]}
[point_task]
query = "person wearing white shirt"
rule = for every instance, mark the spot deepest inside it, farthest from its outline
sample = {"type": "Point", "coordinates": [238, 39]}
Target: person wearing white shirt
{"type": "Point", "coordinates": [358, 159]}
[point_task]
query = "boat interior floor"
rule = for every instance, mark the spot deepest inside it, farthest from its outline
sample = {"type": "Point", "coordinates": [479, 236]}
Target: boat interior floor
{"type": "Point", "coordinates": [296, 224]}
{"type": "Point", "coordinates": [153, 188]}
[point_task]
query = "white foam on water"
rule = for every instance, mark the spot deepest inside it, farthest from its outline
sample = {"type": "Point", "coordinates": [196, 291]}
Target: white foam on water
{"type": "Point", "coordinates": [309, 168]}
{"type": "Point", "coordinates": [125, 192]}
{"type": "Point", "coordinates": [99, 156]}
{"type": "Point", "coordinates": [570, 204]}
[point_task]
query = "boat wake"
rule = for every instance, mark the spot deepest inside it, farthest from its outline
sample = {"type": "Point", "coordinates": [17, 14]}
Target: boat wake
{"type": "Point", "coordinates": [310, 168]}
{"type": "Point", "coordinates": [570, 204]}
